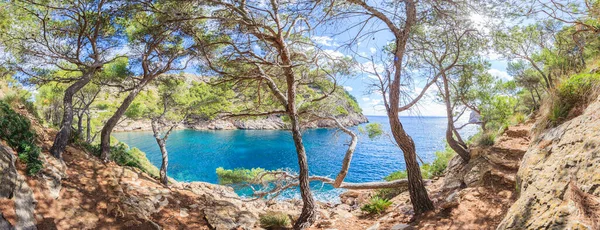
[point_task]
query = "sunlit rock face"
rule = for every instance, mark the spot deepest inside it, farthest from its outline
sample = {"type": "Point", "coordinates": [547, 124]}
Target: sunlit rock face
{"type": "Point", "coordinates": [559, 178]}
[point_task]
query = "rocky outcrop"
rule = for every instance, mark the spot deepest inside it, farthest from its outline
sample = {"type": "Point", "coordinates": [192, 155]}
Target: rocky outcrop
{"type": "Point", "coordinates": [8, 177]}
{"type": "Point", "coordinates": [14, 186]}
{"type": "Point", "coordinates": [490, 166]}
{"type": "Point", "coordinates": [259, 123]}
{"type": "Point", "coordinates": [559, 178]}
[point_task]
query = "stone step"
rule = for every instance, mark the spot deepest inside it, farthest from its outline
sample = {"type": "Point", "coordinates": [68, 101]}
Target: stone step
{"type": "Point", "coordinates": [517, 132]}
{"type": "Point", "coordinates": [500, 177]}
{"type": "Point", "coordinates": [507, 164]}
{"type": "Point", "coordinates": [511, 152]}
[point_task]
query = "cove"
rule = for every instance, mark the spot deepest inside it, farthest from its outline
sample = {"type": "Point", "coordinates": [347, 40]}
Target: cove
{"type": "Point", "coordinates": [195, 155]}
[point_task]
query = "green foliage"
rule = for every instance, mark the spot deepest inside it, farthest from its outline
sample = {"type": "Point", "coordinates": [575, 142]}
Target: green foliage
{"type": "Point", "coordinates": [376, 205]}
{"type": "Point", "coordinates": [484, 138]}
{"type": "Point", "coordinates": [397, 175]}
{"type": "Point", "coordinates": [574, 91]}
{"type": "Point", "coordinates": [275, 220]}
{"type": "Point", "coordinates": [439, 164]}
{"type": "Point", "coordinates": [15, 129]}
{"type": "Point", "coordinates": [518, 118]}
{"type": "Point", "coordinates": [121, 154]}
{"type": "Point", "coordinates": [241, 175]}
{"type": "Point", "coordinates": [340, 110]}
{"type": "Point", "coordinates": [429, 170]}
{"type": "Point", "coordinates": [372, 130]}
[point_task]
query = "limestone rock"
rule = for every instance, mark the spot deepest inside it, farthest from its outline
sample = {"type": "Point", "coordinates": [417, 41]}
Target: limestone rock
{"type": "Point", "coordinates": [561, 160]}
{"type": "Point", "coordinates": [8, 175]}
{"type": "Point", "coordinates": [374, 227]}
{"type": "Point", "coordinates": [401, 227]}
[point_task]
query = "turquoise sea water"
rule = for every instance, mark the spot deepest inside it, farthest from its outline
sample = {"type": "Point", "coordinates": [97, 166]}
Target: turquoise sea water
{"type": "Point", "coordinates": [195, 155]}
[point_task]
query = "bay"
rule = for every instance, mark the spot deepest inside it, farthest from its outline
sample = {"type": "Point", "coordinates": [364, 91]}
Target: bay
{"type": "Point", "coordinates": [195, 155]}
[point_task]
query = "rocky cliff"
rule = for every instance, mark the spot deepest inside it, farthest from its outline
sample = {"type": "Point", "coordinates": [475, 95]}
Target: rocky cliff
{"type": "Point", "coordinates": [559, 179]}
{"type": "Point", "coordinates": [267, 122]}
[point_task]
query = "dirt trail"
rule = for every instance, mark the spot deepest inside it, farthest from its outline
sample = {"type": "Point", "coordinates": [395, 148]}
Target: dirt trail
{"type": "Point", "coordinates": [472, 196]}
{"type": "Point", "coordinates": [483, 204]}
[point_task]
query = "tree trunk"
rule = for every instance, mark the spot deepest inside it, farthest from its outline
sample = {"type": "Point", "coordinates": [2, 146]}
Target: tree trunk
{"type": "Point", "coordinates": [89, 128]}
{"type": "Point", "coordinates": [307, 217]}
{"type": "Point", "coordinates": [80, 125]}
{"type": "Point", "coordinates": [64, 134]}
{"type": "Point", "coordinates": [416, 188]}
{"type": "Point", "coordinates": [453, 143]}
{"type": "Point", "coordinates": [114, 119]}
{"type": "Point", "coordinates": [165, 161]}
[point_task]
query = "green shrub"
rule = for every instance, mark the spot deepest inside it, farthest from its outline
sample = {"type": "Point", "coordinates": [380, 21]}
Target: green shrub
{"type": "Point", "coordinates": [376, 205]}
{"type": "Point", "coordinates": [484, 138]}
{"type": "Point", "coordinates": [574, 91]}
{"type": "Point", "coordinates": [558, 113]}
{"type": "Point", "coordinates": [121, 154]}
{"type": "Point", "coordinates": [439, 164]}
{"type": "Point", "coordinates": [275, 220]}
{"type": "Point", "coordinates": [577, 88]}
{"type": "Point", "coordinates": [241, 175]}
{"type": "Point", "coordinates": [429, 170]}
{"type": "Point", "coordinates": [397, 175]}
{"type": "Point", "coordinates": [518, 118]}
{"type": "Point", "coordinates": [340, 110]}
{"type": "Point", "coordinates": [15, 129]}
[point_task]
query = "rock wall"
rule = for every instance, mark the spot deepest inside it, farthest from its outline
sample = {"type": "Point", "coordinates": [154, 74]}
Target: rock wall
{"type": "Point", "coordinates": [559, 178]}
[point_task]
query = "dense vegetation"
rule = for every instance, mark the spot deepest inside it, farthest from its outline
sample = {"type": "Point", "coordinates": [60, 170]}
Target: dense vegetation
{"type": "Point", "coordinates": [95, 63]}
{"type": "Point", "coordinates": [16, 130]}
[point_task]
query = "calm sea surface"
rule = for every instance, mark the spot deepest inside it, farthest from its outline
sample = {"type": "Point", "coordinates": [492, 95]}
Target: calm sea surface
{"type": "Point", "coordinates": [195, 155]}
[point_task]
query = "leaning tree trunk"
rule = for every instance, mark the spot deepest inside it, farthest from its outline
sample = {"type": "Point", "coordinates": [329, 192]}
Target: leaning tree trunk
{"type": "Point", "coordinates": [165, 161]}
{"type": "Point", "coordinates": [307, 217]}
{"type": "Point", "coordinates": [461, 150]}
{"type": "Point", "coordinates": [113, 120]}
{"type": "Point", "coordinates": [62, 137]}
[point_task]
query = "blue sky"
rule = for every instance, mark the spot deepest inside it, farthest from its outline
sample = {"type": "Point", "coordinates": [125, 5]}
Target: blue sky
{"type": "Point", "coordinates": [371, 102]}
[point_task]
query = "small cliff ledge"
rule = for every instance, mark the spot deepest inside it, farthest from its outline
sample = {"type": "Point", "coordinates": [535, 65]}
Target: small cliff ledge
{"type": "Point", "coordinates": [559, 178]}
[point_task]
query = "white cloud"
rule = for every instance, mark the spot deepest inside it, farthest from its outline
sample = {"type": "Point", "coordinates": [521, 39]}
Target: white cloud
{"type": "Point", "coordinates": [348, 88]}
{"type": "Point", "coordinates": [375, 102]}
{"type": "Point", "coordinates": [500, 74]}
{"type": "Point", "coordinates": [373, 50]}
{"type": "Point", "coordinates": [334, 53]}
{"type": "Point", "coordinates": [366, 99]}
{"type": "Point", "coordinates": [324, 40]}
{"type": "Point", "coordinates": [370, 69]}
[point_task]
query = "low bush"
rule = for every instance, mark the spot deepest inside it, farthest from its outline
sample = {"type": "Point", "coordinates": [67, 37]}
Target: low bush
{"type": "Point", "coordinates": [439, 164]}
{"type": "Point", "coordinates": [275, 220]}
{"type": "Point", "coordinates": [578, 90]}
{"type": "Point", "coordinates": [15, 129]}
{"type": "Point", "coordinates": [484, 138]}
{"type": "Point", "coordinates": [429, 170]}
{"type": "Point", "coordinates": [397, 175]}
{"type": "Point", "coordinates": [518, 118]}
{"type": "Point", "coordinates": [241, 175]}
{"type": "Point", "coordinates": [121, 154]}
{"type": "Point", "coordinates": [376, 205]}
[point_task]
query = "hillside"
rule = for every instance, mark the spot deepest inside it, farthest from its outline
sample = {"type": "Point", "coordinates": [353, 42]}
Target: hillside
{"type": "Point", "coordinates": [118, 197]}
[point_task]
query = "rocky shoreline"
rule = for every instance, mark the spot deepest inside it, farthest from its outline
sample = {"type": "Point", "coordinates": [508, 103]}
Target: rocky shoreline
{"type": "Point", "coordinates": [262, 123]}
